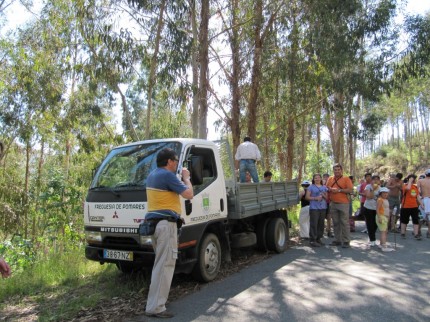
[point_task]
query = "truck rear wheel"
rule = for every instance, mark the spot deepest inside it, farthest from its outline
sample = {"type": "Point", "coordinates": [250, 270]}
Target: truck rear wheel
{"type": "Point", "coordinates": [209, 259]}
{"type": "Point", "coordinates": [277, 235]}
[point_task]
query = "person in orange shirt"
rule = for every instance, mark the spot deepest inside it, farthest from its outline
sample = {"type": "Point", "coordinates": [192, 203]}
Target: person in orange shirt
{"type": "Point", "coordinates": [410, 204]}
{"type": "Point", "coordinates": [339, 188]}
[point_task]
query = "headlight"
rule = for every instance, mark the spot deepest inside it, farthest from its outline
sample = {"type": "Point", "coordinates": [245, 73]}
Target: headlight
{"type": "Point", "coordinates": [145, 240]}
{"type": "Point", "coordinates": [93, 237]}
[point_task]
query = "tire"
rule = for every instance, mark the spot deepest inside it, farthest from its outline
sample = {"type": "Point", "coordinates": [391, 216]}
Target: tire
{"type": "Point", "coordinates": [209, 259]}
{"type": "Point", "coordinates": [277, 235]}
{"type": "Point", "coordinates": [242, 240]}
{"type": "Point", "coordinates": [261, 234]}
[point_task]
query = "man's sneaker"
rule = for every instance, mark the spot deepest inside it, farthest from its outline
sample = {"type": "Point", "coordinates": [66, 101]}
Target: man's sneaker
{"type": "Point", "coordinates": [403, 236]}
{"type": "Point", "coordinates": [346, 245]}
{"type": "Point", "coordinates": [372, 244]}
{"type": "Point", "coordinates": [314, 244]}
{"type": "Point", "coordinates": [330, 235]}
{"type": "Point", "coordinates": [417, 237]}
{"type": "Point", "coordinates": [335, 243]}
{"type": "Point", "coordinates": [164, 314]}
{"type": "Point", "coordinates": [387, 249]}
{"type": "Point", "coordinates": [319, 241]}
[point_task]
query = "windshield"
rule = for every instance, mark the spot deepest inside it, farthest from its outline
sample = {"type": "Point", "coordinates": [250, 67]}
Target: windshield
{"type": "Point", "coordinates": [128, 167]}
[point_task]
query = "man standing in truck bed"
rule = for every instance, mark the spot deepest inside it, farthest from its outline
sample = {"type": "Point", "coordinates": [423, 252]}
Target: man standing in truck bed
{"type": "Point", "coordinates": [247, 155]}
{"type": "Point", "coordinates": [163, 189]}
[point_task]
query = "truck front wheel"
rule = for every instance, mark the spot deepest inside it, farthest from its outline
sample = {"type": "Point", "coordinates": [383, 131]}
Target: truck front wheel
{"type": "Point", "coordinates": [209, 259]}
{"type": "Point", "coordinates": [277, 235]}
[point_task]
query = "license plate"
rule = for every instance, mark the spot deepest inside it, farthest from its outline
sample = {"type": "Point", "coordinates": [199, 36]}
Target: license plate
{"type": "Point", "coordinates": [118, 254]}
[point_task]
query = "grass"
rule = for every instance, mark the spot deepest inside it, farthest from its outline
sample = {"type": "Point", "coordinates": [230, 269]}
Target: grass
{"type": "Point", "coordinates": [58, 286]}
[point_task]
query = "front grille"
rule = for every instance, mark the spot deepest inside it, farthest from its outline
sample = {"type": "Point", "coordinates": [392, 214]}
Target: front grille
{"type": "Point", "coordinates": [120, 242]}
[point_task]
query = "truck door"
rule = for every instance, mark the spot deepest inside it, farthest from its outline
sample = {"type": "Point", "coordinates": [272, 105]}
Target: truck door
{"type": "Point", "coordinates": [209, 202]}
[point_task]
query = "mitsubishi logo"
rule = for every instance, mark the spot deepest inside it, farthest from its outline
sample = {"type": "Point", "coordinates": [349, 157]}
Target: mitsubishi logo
{"type": "Point", "coordinates": [115, 215]}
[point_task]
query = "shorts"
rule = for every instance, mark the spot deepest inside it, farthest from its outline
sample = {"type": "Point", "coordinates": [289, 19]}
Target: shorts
{"type": "Point", "coordinates": [405, 213]}
{"type": "Point", "coordinates": [394, 202]}
{"type": "Point", "coordinates": [384, 225]}
{"type": "Point", "coordinates": [426, 204]}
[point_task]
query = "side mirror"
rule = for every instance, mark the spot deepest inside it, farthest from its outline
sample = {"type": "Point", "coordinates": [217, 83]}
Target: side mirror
{"type": "Point", "coordinates": [196, 170]}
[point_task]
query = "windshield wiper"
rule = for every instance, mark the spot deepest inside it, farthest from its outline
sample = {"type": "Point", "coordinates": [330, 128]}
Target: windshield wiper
{"type": "Point", "coordinates": [128, 184]}
{"type": "Point", "coordinates": [105, 188]}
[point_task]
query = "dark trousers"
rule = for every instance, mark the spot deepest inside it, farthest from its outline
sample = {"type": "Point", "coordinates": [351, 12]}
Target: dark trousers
{"type": "Point", "coordinates": [316, 224]}
{"type": "Point", "coordinates": [370, 216]}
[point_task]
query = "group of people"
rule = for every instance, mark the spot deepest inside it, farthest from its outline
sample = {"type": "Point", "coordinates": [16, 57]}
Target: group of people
{"type": "Point", "coordinates": [402, 199]}
{"type": "Point", "coordinates": [382, 204]}
{"type": "Point", "coordinates": [326, 198]}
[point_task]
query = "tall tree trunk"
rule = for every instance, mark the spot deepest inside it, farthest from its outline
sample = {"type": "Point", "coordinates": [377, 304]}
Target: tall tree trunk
{"type": "Point", "coordinates": [204, 65]}
{"type": "Point", "coordinates": [38, 187]}
{"type": "Point", "coordinates": [256, 70]}
{"type": "Point", "coordinates": [235, 76]}
{"type": "Point", "coordinates": [152, 78]}
{"type": "Point", "coordinates": [290, 148]}
{"type": "Point", "coordinates": [26, 186]}
{"type": "Point", "coordinates": [304, 144]}
{"type": "Point", "coordinates": [195, 71]}
{"type": "Point", "coordinates": [335, 125]}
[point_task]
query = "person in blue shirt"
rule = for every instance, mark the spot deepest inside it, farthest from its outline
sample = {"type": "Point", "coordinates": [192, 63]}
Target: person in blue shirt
{"type": "Point", "coordinates": [317, 196]}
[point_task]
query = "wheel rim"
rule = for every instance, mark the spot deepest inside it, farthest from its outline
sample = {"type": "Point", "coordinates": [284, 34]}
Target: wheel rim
{"type": "Point", "coordinates": [281, 235]}
{"type": "Point", "coordinates": [211, 258]}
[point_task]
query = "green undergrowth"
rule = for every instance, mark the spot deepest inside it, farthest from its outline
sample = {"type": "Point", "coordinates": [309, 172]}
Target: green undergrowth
{"type": "Point", "coordinates": [58, 286]}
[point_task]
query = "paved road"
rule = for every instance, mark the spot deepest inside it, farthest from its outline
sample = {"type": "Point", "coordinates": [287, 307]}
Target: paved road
{"type": "Point", "coordinates": [321, 284]}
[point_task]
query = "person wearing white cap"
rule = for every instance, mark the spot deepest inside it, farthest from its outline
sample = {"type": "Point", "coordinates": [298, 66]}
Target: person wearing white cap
{"type": "Point", "coordinates": [382, 217]}
{"type": "Point", "coordinates": [424, 189]}
{"type": "Point", "coordinates": [304, 211]}
{"type": "Point", "coordinates": [372, 192]}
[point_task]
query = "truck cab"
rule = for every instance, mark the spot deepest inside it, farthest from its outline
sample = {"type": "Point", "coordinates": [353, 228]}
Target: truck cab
{"type": "Point", "coordinates": [222, 215]}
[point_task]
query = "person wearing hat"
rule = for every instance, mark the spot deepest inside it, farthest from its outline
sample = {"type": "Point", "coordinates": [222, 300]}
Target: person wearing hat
{"type": "Point", "coordinates": [371, 193]}
{"type": "Point", "coordinates": [304, 211]}
{"type": "Point", "coordinates": [410, 204]}
{"type": "Point", "coordinates": [424, 188]}
{"type": "Point", "coordinates": [382, 218]}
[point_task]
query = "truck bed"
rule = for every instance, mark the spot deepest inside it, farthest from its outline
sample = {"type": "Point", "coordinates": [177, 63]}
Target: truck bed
{"type": "Point", "coordinates": [251, 199]}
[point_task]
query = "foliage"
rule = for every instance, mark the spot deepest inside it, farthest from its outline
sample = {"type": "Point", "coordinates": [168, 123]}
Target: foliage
{"type": "Point", "coordinates": [63, 284]}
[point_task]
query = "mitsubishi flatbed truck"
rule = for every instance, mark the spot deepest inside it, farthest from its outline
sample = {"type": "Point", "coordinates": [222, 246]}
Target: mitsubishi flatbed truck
{"type": "Point", "coordinates": [223, 215]}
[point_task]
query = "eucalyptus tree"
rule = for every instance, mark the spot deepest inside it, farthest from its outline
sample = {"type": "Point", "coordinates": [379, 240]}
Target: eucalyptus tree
{"type": "Point", "coordinates": [351, 40]}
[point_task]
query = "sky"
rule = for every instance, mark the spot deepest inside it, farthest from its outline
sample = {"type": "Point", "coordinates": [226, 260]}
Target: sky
{"type": "Point", "coordinates": [18, 15]}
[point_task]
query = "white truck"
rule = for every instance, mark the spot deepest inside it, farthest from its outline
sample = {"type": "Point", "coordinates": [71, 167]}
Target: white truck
{"type": "Point", "coordinates": [223, 215]}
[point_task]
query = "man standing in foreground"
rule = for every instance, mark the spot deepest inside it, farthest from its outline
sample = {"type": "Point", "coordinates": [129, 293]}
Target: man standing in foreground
{"type": "Point", "coordinates": [340, 187]}
{"type": "Point", "coordinates": [163, 189]}
{"type": "Point", "coordinates": [424, 188]}
{"type": "Point", "coordinates": [247, 155]}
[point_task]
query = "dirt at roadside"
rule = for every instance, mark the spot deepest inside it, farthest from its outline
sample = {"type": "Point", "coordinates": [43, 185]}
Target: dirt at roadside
{"type": "Point", "coordinates": [120, 308]}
